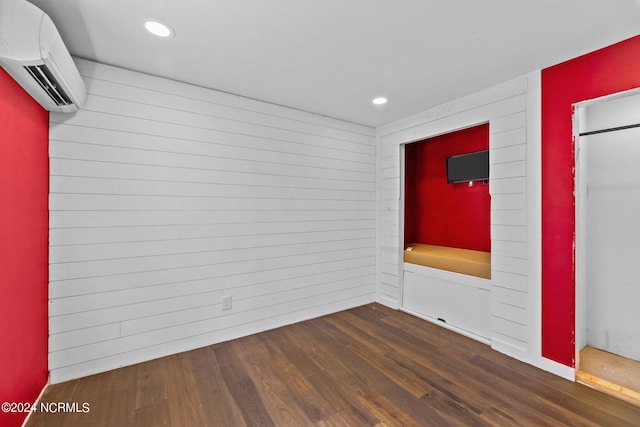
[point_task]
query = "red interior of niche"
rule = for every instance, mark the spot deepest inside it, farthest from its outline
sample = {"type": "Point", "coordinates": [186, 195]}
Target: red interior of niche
{"type": "Point", "coordinates": [439, 213]}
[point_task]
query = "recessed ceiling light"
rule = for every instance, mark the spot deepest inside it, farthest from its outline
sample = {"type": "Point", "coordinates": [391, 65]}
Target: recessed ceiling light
{"type": "Point", "coordinates": [379, 101]}
{"type": "Point", "coordinates": [159, 29]}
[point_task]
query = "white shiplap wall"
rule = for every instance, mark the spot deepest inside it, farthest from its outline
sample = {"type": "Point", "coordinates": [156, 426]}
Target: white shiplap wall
{"type": "Point", "coordinates": [512, 110]}
{"type": "Point", "coordinates": [166, 197]}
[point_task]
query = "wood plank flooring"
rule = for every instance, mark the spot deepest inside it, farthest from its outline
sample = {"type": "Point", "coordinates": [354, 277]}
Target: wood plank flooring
{"type": "Point", "coordinates": [369, 366]}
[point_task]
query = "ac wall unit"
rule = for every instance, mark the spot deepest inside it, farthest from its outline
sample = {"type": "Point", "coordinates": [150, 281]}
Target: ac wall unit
{"type": "Point", "coordinates": [33, 53]}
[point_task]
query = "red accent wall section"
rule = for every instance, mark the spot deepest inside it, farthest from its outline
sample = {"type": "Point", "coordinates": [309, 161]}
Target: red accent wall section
{"type": "Point", "coordinates": [613, 69]}
{"type": "Point", "coordinates": [24, 187]}
{"type": "Point", "coordinates": [439, 213]}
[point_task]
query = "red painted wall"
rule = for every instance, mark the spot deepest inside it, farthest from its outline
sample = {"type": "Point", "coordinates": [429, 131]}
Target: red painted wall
{"type": "Point", "coordinates": [606, 71]}
{"type": "Point", "coordinates": [445, 214]}
{"type": "Point", "coordinates": [24, 187]}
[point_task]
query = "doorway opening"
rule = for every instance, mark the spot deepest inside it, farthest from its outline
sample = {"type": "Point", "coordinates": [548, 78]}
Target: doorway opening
{"type": "Point", "coordinates": [607, 135]}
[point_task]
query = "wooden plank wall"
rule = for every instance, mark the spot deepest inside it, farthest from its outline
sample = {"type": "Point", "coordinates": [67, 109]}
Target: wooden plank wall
{"type": "Point", "coordinates": [164, 197]}
{"type": "Point", "coordinates": [507, 108]}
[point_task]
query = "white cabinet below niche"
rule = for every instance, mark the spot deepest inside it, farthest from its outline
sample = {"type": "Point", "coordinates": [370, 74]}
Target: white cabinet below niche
{"type": "Point", "coordinates": [456, 301]}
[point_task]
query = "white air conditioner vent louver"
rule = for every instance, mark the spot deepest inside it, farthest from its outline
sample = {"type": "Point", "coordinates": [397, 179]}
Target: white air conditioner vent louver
{"type": "Point", "coordinates": [49, 84]}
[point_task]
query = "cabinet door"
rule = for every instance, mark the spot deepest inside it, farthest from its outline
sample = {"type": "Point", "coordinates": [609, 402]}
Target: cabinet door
{"type": "Point", "coordinates": [465, 307]}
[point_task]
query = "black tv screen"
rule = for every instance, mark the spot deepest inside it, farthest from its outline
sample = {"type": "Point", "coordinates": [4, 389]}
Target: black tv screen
{"type": "Point", "coordinates": [468, 167]}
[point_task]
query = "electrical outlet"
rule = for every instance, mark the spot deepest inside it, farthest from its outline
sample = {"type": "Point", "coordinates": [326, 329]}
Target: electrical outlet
{"type": "Point", "coordinates": [226, 302]}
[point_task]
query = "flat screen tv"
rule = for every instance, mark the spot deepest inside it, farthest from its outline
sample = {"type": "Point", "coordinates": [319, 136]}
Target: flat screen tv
{"type": "Point", "coordinates": [468, 167]}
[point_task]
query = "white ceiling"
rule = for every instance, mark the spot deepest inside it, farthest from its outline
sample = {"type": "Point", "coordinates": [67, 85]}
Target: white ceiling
{"type": "Point", "coordinates": [332, 57]}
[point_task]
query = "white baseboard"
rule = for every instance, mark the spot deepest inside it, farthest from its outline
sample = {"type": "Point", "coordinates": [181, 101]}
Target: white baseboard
{"type": "Point", "coordinates": [556, 368]}
{"type": "Point", "coordinates": [543, 363]}
{"type": "Point", "coordinates": [37, 402]}
{"type": "Point", "coordinates": [389, 302]}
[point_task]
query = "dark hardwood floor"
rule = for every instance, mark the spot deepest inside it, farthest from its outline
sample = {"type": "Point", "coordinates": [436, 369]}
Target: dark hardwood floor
{"type": "Point", "coordinates": [369, 366]}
